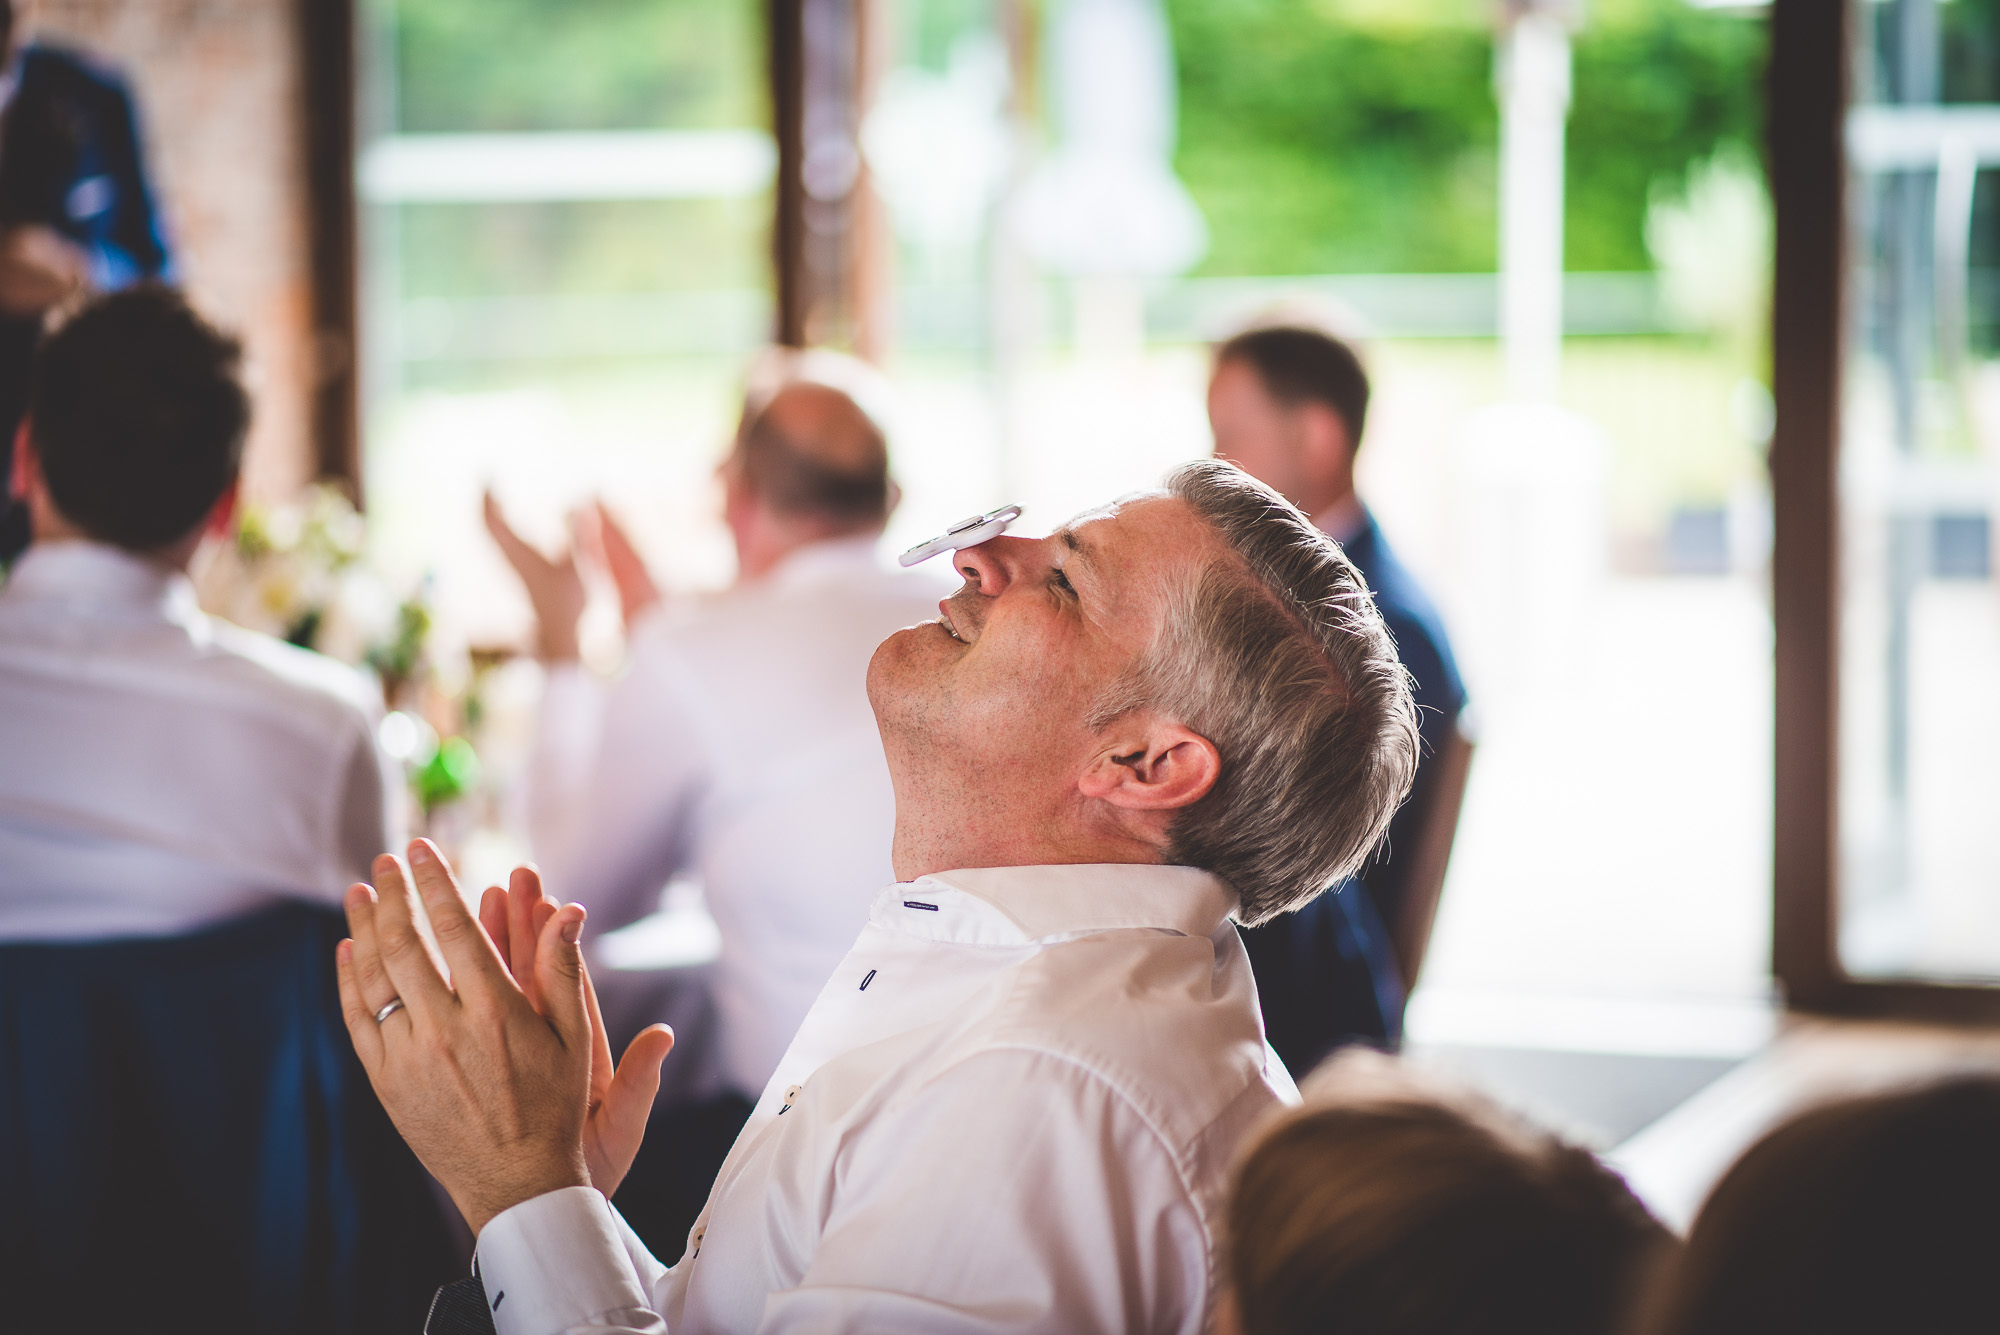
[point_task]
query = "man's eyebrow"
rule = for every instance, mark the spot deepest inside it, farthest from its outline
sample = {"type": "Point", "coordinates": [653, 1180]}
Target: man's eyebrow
{"type": "Point", "coordinates": [1074, 543]}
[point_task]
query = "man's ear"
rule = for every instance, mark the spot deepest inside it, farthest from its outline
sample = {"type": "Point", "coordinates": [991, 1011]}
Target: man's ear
{"type": "Point", "coordinates": [25, 469]}
{"type": "Point", "coordinates": [737, 498]}
{"type": "Point", "coordinates": [223, 513]}
{"type": "Point", "coordinates": [1150, 763]}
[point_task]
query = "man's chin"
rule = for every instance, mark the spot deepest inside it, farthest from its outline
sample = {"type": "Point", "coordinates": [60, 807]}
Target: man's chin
{"type": "Point", "coordinates": [913, 653]}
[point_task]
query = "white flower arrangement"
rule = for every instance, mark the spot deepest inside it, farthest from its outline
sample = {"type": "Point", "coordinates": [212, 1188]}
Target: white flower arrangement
{"type": "Point", "coordinates": [297, 571]}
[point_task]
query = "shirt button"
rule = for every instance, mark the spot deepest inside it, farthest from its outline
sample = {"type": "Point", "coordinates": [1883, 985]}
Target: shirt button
{"type": "Point", "coordinates": [699, 1234]}
{"type": "Point", "coordinates": [792, 1095]}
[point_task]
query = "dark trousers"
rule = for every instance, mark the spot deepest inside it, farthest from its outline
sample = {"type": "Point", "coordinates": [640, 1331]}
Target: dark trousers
{"type": "Point", "coordinates": [669, 1183]}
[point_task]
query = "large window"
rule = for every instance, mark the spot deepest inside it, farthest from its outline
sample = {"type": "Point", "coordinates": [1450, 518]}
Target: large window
{"type": "Point", "coordinates": [1919, 655]}
{"type": "Point", "coordinates": [1610, 885]}
{"type": "Point", "coordinates": [566, 222]}
{"type": "Point", "coordinates": [1604, 582]}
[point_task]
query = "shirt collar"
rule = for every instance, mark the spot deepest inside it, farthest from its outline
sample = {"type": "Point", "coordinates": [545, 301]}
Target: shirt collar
{"type": "Point", "coordinates": [99, 574]}
{"type": "Point", "coordinates": [829, 559]}
{"type": "Point", "coordinates": [1025, 905]}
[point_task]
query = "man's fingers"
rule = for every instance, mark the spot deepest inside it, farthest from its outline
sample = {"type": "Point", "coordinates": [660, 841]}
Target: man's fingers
{"type": "Point", "coordinates": [371, 980]}
{"type": "Point", "coordinates": [524, 558]}
{"type": "Point", "coordinates": [636, 589]}
{"type": "Point", "coordinates": [600, 1042]}
{"type": "Point", "coordinates": [524, 927]}
{"type": "Point", "coordinates": [559, 976]}
{"type": "Point", "coordinates": [360, 1017]}
{"type": "Point", "coordinates": [474, 965]}
{"type": "Point", "coordinates": [638, 1077]}
{"type": "Point", "coordinates": [538, 918]}
{"type": "Point", "coordinates": [586, 534]}
{"type": "Point", "coordinates": [493, 917]}
{"type": "Point", "coordinates": [619, 549]}
{"type": "Point", "coordinates": [617, 542]}
{"type": "Point", "coordinates": [412, 972]}
{"type": "Point", "coordinates": [511, 544]}
{"type": "Point", "coordinates": [618, 1121]}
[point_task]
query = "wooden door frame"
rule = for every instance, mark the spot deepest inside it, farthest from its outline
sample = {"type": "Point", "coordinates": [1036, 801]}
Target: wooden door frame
{"type": "Point", "coordinates": [1810, 58]}
{"type": "Point", "coordinates": [327, 72]}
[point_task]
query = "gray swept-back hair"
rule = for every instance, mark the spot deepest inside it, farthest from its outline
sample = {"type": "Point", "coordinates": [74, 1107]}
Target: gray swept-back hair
{"type": "Point", "coordinates": [1282, 662]}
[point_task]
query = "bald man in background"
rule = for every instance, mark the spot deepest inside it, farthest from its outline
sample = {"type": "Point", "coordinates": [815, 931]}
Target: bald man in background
{"type": "Point", "coordinates": [736, 748]}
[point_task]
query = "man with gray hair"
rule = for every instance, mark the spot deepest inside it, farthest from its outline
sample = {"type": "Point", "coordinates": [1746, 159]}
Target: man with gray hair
{"type": "Point", "coordinates": [1014, 1104]}
{"type": "Point", "coordinates": [736, 745]}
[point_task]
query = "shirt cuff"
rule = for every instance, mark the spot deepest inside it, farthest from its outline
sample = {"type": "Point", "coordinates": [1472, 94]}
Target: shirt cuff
{"type": "Point", "coordinates": [558, 1263]}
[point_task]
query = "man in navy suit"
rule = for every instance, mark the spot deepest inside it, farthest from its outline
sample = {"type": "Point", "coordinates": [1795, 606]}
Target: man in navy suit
{"type": "Point", "coordinates": [1288, 403]}
{"type": "Point", "coordinates": [75, 211]}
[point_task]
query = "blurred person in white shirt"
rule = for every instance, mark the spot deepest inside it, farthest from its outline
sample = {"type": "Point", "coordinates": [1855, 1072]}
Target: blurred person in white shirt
{"type": "Point", "coordinates": [736, 747]}
{"type": "Point", "coordinates": [160, 771]}
{"type": "Point", "coordinates": [1013, 1106]}
{"type": "Point", "coordinates": [182, 805]}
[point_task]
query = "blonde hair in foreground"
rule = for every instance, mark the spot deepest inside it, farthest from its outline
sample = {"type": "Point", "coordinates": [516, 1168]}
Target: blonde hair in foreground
{"type": "Point", "coordinates": [1388, 1204]}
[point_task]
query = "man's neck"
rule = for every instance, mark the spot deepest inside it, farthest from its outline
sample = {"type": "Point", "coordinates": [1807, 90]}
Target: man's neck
{"type": "Point", "coordinates": [762, 546]}
{"type": "Point", "coordinates": [954, 842]}
{"type": "Point", "coordinates": [50, 528]}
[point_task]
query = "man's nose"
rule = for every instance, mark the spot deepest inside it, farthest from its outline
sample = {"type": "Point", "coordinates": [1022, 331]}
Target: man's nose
{"type": "Point", "coordinates": [991, 566]}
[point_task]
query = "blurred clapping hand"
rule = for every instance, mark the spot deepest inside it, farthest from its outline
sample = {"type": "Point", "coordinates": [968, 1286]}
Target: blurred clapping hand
{"type": "Point", "coordinates": [555, 585]}
{"type": "Point", "coordinates": [607, 545]}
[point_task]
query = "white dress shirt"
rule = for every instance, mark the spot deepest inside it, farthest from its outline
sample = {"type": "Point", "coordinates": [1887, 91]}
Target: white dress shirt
{"type": "Point", "coordinates": [738, 748]}
{"type": "Point", "coordinates": [161, 771]}
{"type": "Point", "coordinates": [1012, 1108]}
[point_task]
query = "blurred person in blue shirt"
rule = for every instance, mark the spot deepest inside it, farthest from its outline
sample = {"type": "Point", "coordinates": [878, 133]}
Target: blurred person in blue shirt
{"type": "Point", "coordinates": [1288, 403]}
{"type": "Point", "coordinates": [75, 210]}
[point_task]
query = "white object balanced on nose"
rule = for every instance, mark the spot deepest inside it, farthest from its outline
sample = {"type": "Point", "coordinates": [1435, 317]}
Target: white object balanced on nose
{"type": "Point", "coordinates": [965, 533]}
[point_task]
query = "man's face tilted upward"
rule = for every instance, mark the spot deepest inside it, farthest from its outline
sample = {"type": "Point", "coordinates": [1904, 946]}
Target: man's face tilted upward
{"type": "Point", "coordinates": [987, 714]}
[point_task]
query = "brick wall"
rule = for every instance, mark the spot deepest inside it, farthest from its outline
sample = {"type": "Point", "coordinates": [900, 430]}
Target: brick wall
{"type": "Point", "coordinates": [217, 87]}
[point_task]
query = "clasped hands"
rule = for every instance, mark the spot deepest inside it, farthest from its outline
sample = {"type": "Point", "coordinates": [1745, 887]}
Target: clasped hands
{"type": "Point", "coordinates": [496, 1068]}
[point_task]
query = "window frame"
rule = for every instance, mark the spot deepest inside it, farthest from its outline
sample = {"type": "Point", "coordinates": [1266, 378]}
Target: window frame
{"type": "Point", "coordinates": [1808, 94]}
{"type": "Point", "coordinates": [327, 33]}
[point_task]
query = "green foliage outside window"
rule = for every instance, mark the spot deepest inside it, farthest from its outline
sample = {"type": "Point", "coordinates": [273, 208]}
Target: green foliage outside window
{"type": "Point", "coordinates": [1319, 136]}
{"type": "Point", "coordinates": [1323, 136]}
{"type": "Point", "coordinates": [470, 65]}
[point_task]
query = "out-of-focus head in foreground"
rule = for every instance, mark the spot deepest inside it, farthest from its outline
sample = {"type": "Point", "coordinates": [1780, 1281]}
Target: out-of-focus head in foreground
{"type": "Point", "coordinates": [151, 463]}
{"type": "Point", "coordinates": [1389, 1203]}
{"type": "Point", "coordinates": [1196, 676]}
{"type": "Point", "coordinates": [1873, 1214]}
